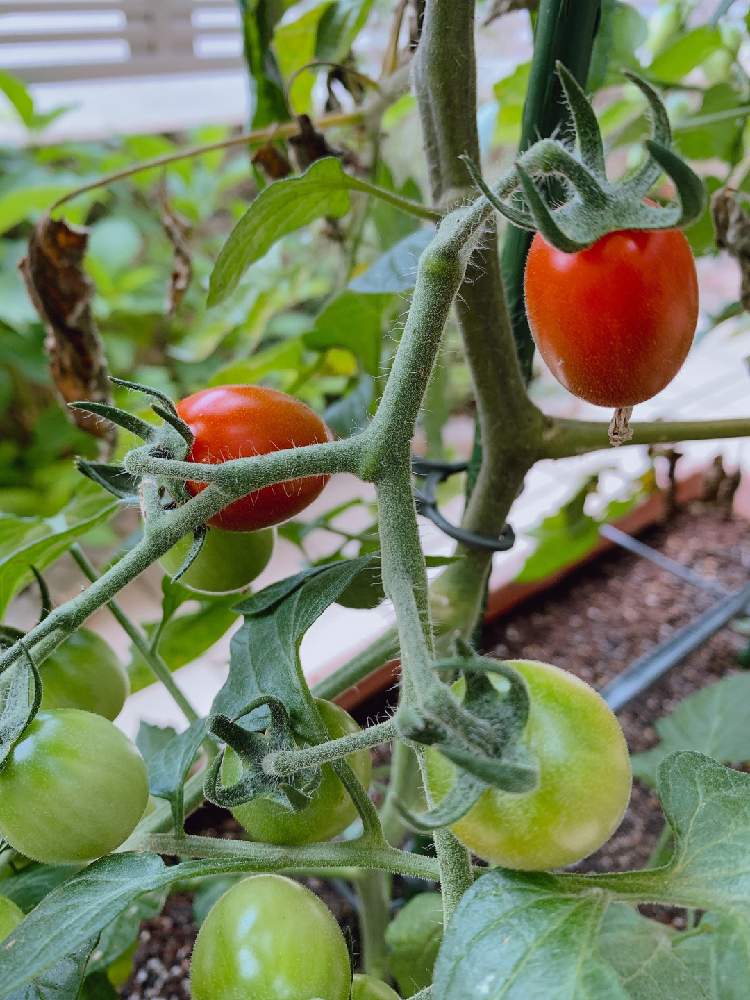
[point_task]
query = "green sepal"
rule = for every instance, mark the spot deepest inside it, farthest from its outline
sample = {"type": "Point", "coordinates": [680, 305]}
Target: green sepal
{"type": "Point", "coordinates": [170, 417]}
{"type": "Point", "coordinates": [113, 478]}
{"type": "Point", "coordinates": [115, 415]}
{"type": "Point", "coordinates": [481, 736]}
{"type": "Point", "coordinates": [593, 206]}
{"type": "Point", "coordinates": [157, 394]}
{"type": "Point", "coordinates": [199, 538]}
{"type": "Point", "coordinates": [292, 792]}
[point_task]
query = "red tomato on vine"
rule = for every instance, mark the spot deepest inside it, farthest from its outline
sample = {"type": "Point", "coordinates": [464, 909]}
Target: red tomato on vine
{"type": "Point", "coordinates": [238, 421]}
{"type": "Point", "coordinates": [614, 322]}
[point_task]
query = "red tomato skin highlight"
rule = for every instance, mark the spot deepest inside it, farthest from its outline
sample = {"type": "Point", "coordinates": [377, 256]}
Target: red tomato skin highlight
{"type": "Point", "coordinates": [615, 322]}
{"type": "Point", "coordinates": [238, 421]}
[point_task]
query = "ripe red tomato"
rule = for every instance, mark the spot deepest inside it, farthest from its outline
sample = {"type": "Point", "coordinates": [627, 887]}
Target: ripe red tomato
{"type": "Point", "coordinates": [237, 421]}
{"type": "Point", "coordinates": [614, 322]}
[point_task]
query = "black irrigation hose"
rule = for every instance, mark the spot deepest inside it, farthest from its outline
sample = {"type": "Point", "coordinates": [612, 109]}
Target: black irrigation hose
{"type": "Point", "coordinates": [647, 669]}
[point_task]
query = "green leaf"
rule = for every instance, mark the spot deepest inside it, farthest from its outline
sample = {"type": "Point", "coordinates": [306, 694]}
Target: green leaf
{"type": "Point", "coordinates": [264, 656]}
{"type": "Point", "coordinates": [30, 885]}
{"type": "Point", "coordinates": [351, 412]}
{"type": "Point", "coordinates": [712, 720]}
{"type": "Point", "coordinates": [281, 208]}
{"type": "Point", "coordinates": [562, 537]}
{"type": "Point", "coordinates": [719, 952]}
{"type": "Point", "coordinates": [40, 541]}
{"type": "Point", "coordinates": [396, 270]}
{"type": "Point", "coordinates": [22, 203]}
{"type": "Point", "coordinates": [74, 913]}
{"type": "Point", "coordinates": [286, 356]}
{"type": "Point", "coordinates": [644, 955]}
{"type": "Point", "coordinates": [18, 94]}
{"type": "Point", "coordinates": [708, 807]}
{"type": "Point", "coordinates": [294, 45]}
{"type": "Point", "coordinates": [518, 936]}
{"type": "Point", "coordinates": [684, 54]}
{"type": "Point", "coordinates": [339, 26]}
{"type": "Point", "coordinates": [168, 767]}
{"type": "Point", "coordinates": [722, 139]}
{"type": "Point", "coordinates": [61, 981]}
{"type": "Point", "coordinates": [259, 17]}
{"type": "Point", "coordinates": [622, 31]}
{"type": "Point", "coordinates": [183, 639]}
{"type": "Point", "coordinates": [353, 321]}
{"type": "Point", "coordinates": [18, 702]}
{"type": "Point", "coordinates": [413, 940]}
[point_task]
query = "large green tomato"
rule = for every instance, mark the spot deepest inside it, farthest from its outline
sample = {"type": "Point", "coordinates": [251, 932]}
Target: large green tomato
{"type": "Point", "coordinates": [331, 810]}
{"type": "Point", "coordinates": [10, 916]}
{"type": "Point", "coordinates": [73, 788]}
{"type": "Point", "coordinates": [584, 779]}
{"type": "Point", "coordinates": [369, 988]}
{"type": "Point", "coordinates": [84, 673]}
{"type": "Point", "coordinates": [269, 938]}
{"type": "Point", "coordinates": [228, 560]}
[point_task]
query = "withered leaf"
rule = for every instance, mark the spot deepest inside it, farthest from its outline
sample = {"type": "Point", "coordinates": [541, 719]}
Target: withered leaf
{"type": "Point", "coordinates": [729, 209]}
{"type": "Point", "coordinates": [61, 293]}
{"type": "Point", "coordinates": [272, 161]}
{"type": "Point", "coordinates": [178, 231]}
{"type": "Point", "coordinates": [310, 145]}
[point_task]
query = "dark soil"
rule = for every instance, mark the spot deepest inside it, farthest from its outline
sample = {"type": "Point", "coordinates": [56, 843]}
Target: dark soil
{"type": "Point", "coordinates": [593, 624]}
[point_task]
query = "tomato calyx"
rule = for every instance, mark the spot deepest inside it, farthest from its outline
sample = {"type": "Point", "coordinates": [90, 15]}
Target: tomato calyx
{"type": "Point", "coordinates": [481, 735]}
{"type": "Point", "coordinates": [592, 205]}
{"type": "Point", "coordinates": [273, 732]}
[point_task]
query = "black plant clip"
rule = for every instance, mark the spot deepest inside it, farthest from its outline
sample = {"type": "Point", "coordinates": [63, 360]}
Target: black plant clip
{"type": "Point", "coordinates": [434, 473]}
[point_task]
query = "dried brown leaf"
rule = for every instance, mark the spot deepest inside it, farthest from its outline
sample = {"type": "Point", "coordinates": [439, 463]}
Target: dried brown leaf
{"type": "Point", "coordinates": [272, 161]}
{"type": "Point", "coordinates": [178, 231]}
{"type": "Point", "coordinates": [310, 145]}
{"type": "Point", "coordinates": [732, 222]}
{"type": "Point", "coordinates": [61, 293]}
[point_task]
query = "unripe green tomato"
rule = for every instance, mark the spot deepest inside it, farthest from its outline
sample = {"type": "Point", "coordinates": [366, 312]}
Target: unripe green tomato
{"type": "Point", "coordinates": [584, 779]}
{"type": "Point", "coordinates": [72, 790]}
{"type": "Point", "coordinates": [10, 916]}
{"type": "Point", "coordinates": [269, 938]}
{"type": "Point", "coordinates": [228, 560]}
{"type": "Point", "coordinates": [331, 809]}
{"type": "Point", "coordinates": [369, 988]}
{"type": "Point", "coordinates": [85, 673]}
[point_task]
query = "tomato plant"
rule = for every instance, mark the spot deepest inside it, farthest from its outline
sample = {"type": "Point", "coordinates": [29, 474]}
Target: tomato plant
{"type": "Point", "coordinates": [228, 560]}
{"type": "Point", "coordinates": [73, 788]}
{"type": "Point", "coordinates": [10, 916]}
{"type": "Point", "coordinates": [396, 320]}
{"type": "Point", "coordinates": [584, 780]}
{"type": "Point", "coordinates": [631, 306]}
{"type": "Point", "coordinates": [85, 673]}
{"type": "Point", "coordinates": [270, 937]}
{"type": "Point", "coordinates": [235, 421]}
{"type": "Point", "coordinates": [331, 809]}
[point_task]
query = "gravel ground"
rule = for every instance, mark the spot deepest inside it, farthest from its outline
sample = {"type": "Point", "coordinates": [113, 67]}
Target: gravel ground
{"type": "Point", "coordinates": [593, 624]}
